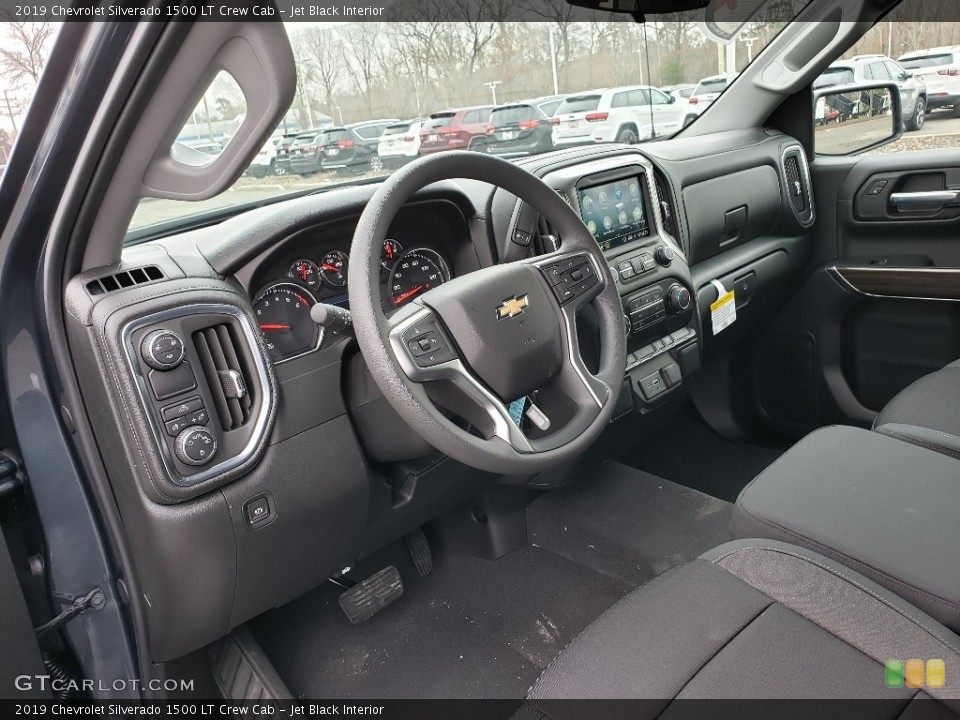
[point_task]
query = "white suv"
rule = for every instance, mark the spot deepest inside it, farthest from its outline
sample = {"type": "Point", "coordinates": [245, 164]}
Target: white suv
{"type": "Point", "coordinates": [866, 69]}
{"type": "Point", "coordinates": [624, 114]}
{"type": "Point", "coordinates": [939, 69]}
{"type": "Point", "coordinates": [708, 90]}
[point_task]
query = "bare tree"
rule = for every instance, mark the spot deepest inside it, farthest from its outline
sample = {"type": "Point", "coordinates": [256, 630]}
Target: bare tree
{"type": "Point", "coordinates": [24, 52]}
{"type": "Point", "coordinates": [320, 52]}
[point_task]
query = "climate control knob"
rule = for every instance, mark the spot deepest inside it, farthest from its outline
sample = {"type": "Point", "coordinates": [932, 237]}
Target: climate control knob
{"type": "Point", "coordinates": [162, 350]}
{"type": "Point", "coordinates": [664, 254]}
{"type": "Point", "coordinates": [195, 446]}
{"type": "Point", "coordinates": [678, 298]}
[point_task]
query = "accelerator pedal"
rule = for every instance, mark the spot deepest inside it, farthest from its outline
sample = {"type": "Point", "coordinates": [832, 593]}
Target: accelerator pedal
{"type": "Point", "coordinates": [420, 552]}
{"type": "Point", "coordinates": [367, 598]}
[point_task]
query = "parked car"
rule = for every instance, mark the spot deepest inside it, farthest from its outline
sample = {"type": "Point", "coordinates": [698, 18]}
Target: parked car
{"type": "Point", "coordinates": [461, 129]}
{"type": "Point", "coordinates": [939, 70]}
{"type": "Point", "coordinates": [354, 147]}
{"type": "Point", "coordinates": [351, 146]}
{"type": "Point", "coordinates": [303, 145]}
{"type": "Point", "coordinates": [865, 69]}
{"type": "Point", "coordinates": [522, 128]}
{"type": "Point", "coordinates": [400, 142]}
{"type": "Point", "coordinates": [265, 163]}
{"type": "Point", "coordinates": [706, 91]}
{"type": "Point", "coordinates": [682, 92]}
{"type": "Point", "coordinates": [623, 114]}
{"type": "Point", "coordinates": [207, 147]}
{"type": "Point", "coordinates": [282, 163]}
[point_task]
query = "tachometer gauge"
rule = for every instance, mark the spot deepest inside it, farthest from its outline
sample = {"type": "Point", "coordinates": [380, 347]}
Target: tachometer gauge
{"type": "Point", "coordinates": [391, 251]}
{"type": "Point", "coordinates": [416, 272]}
{"type": "Point", "coordinates": [306, 271]}
{"type": "Point", "coordinates": [283, 312]}
{"type": "Point", "coordinates": [333, 268]}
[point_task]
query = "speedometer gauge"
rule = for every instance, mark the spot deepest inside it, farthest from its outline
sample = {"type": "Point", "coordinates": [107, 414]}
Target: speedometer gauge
{"type": "Point", "coordinates": [416, 272]}
{"type": "Point", "coordinates": [283, 312]}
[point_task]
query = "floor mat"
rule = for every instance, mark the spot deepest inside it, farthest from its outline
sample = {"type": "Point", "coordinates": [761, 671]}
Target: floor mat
{"type": "Point", "coordinates": [480, 629]}
{"type": "Point", "coordinates": [471, 629]}
{"type": "Point", "coordinates": [628, 524]}
{"type": "Point", "coordinates": [691, 453]}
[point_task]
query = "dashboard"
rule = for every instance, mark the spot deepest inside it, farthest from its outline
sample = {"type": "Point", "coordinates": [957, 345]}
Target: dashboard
{"type": "Point", "coordinates": [229, 421]}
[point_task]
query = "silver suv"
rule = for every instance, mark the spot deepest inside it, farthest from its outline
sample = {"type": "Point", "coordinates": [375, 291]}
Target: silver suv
{"type": "Point", "coordinates": [939, 70]}
{"type": "Point", "coordinates": [866, 69]}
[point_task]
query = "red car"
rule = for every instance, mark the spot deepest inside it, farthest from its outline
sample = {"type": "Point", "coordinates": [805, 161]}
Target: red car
{"type": "Point", "coordinates": [463, 129]}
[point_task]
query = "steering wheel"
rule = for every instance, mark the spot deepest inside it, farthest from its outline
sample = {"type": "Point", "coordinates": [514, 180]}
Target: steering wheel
{"type": "Point", "coordinates": [483, 340]}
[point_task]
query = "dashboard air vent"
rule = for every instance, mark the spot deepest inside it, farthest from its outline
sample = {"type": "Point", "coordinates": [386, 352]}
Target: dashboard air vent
{"type": "Point", "coordinates": [124, 279]}
{"type": "Point", "coordinates": [797, 180]}
{"type": "Point", "coordinates": [220, 353]}
{"type": "Point", "coordinates": [798, 197]}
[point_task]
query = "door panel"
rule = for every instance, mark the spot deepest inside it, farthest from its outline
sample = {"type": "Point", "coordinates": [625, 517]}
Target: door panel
{"type": "Point", "coordinates": [881, 306]}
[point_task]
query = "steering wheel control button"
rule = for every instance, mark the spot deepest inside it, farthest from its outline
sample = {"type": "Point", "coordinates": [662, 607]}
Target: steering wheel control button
{"type": "Point", "coordinates": [162, 350]}
{"type": "Point", "coordinates": [570, 278]}
{"type": "Point", "coordinates": [195, 446]}
{"type": "Point", "coordinates": [560, 272]}
{"type": "Point", "coordinates": [170, 383]}
{"type": "Point", "coordinates": [258, 511]}
{"type": "Point", "coordinates": [427, 345]}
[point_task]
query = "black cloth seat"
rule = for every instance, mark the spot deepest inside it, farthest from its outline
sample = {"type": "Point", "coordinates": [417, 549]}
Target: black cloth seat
{"type": "Point", "coordinates": [751, 619]}
{"type": "Point", "coordinates": [927, 412]}
{"type": "Point", "coordinates": [882, 507]}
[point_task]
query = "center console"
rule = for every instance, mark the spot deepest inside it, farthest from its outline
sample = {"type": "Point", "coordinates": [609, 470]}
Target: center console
{"type": "Point", "coordinates": [615, 198]}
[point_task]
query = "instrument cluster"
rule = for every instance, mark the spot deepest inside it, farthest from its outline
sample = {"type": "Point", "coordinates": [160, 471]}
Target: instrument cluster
{"type": "Point", "coordinates": [283, 306]}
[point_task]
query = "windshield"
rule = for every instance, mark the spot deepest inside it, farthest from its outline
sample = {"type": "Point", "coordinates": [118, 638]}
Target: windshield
{"type": "Point", "coordinates": [369, 79]}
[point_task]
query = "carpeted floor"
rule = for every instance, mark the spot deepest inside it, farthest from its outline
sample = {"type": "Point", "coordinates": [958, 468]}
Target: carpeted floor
{"type": "Point", "coordinates": [481, 629]}
{"type": "Point", "coordinates": [690, 453]}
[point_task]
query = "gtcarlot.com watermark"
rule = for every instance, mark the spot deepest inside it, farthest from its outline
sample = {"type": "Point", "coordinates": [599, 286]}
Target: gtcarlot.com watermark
{"type": "Point", "coordinates": [46, 683]}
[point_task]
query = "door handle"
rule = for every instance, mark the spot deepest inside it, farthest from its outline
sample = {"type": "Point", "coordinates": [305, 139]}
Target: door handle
{"type": "Point", "coordinates": [931, 200]}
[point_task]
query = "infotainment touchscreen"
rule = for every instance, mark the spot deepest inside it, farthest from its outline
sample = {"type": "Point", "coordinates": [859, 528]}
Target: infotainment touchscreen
{"type": "Point", "coordinates": [615, 212]}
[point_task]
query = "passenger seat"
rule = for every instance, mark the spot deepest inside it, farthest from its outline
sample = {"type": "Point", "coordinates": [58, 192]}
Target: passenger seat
{"type": "Point", "coordinates": [927, 412]}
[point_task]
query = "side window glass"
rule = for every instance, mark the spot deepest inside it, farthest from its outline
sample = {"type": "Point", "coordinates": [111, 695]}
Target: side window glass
{"type": "Point", "coordinates": [471, 118]}
{"type": "Point", "coordinates": [658, 98]}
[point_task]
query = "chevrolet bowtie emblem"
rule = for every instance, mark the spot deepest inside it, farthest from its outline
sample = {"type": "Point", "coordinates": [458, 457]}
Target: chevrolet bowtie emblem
{"type": "Point", "coordinates": [512, 307]}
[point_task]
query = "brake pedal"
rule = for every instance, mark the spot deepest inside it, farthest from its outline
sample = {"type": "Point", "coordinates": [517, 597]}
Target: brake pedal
{"type": "Point", "coordinates": [367, 598]}
{"type": "Point", "coordinates": [420, 553]}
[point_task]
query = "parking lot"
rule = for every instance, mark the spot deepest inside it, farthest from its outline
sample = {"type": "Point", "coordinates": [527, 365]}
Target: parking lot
{"type": "Point", "coordinates": [940, 131]}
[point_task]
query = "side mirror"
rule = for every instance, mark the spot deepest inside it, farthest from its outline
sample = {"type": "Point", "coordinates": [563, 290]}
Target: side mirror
{"type": "Point", "coordinates": [852, 119]}
{"type": "Point", "coordinates": [671, 99]}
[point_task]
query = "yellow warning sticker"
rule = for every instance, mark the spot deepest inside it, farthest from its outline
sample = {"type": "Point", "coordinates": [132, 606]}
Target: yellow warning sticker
{"type": "Point", "coordinates": [723, 312]}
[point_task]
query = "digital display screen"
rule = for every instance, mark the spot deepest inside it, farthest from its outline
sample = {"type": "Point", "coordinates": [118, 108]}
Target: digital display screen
{"type": "Point", "coordinates": [615, 212]}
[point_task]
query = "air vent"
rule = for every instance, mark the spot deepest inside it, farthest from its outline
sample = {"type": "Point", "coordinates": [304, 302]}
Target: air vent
{"type": "Point", "coordinates": [797, 179]}
{"type": "Point", "coordinates": [226, 374]}
{"type": "Point", "coordinates": [798, 197]}
{"type": "Point", "coordinates": [667, 210]}
{"type": "Point", "coordinates": [124, 279]}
